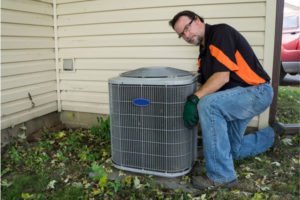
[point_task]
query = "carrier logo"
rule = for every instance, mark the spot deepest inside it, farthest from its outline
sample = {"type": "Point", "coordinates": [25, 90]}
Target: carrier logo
{"type": "Point", "coordinates": [141, 102]}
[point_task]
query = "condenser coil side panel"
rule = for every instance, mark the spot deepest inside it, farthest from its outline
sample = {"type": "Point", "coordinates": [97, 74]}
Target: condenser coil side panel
{"type": "Point", "coordinates": [151, 139]}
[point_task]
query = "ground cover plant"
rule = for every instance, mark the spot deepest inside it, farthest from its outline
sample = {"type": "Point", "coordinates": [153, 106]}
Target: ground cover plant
{"type": "Point", "coordinates": [75, 164]}
{"type": "Point", "coordinates": [288, 104]}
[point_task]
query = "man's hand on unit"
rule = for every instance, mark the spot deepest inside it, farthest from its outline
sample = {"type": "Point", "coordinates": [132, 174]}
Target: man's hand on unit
{"type": "Point", "coordinates": [190, 114]}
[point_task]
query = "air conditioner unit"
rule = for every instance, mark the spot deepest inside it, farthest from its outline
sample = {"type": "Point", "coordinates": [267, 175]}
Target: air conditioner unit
{"type": "Point", "coordinates": [147, 129]}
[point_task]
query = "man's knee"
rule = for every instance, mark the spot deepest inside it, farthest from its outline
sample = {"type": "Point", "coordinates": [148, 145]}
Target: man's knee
{"type": "Point", "coordinates": [205, 105]}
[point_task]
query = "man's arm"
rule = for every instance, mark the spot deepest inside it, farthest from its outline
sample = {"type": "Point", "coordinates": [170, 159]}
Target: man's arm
{"type": "Point", "coordinates": [214, 83]}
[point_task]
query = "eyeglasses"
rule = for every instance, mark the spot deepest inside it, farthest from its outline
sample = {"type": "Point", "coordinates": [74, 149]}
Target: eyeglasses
{"type": "Point", "coordinates": [186, 28]}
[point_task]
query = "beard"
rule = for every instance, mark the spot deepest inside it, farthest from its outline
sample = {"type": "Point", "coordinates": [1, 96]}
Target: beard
{"type": "Point", "coordinates": [196, 42]}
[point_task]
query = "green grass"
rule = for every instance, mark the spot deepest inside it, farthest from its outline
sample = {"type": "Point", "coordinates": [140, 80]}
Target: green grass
{"type": "Point", "coordinates": [25, 183]}
{"type": "Point", "coordinates": [58, 167]}
{"type": "Point", "coordinates": [70, 193]}
{"type": "Point", "coordinates": [288, 105]}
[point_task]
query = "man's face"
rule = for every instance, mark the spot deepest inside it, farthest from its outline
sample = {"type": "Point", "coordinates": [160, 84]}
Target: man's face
{"type": "Point", "coordinates": [191, 30]}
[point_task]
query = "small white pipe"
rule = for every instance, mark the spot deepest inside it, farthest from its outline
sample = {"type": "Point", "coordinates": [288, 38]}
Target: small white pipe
{"type": "Point", "coordinates": [56, 57]}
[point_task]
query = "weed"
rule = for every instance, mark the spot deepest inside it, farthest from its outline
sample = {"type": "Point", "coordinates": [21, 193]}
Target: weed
{"type": "Point", "coordinates": [86, 155]}
{"type": "Point", "coordinates": [73, 141]}
{"type": "Point", "coordinates": [14, 155]}
{"type": "Point", "coordinates": [103, 129]}
{"type": "Point", "coordinates": [47, 144]}
{"type": "Point", "coordinates": [99, 170]}
{"type": "Point", "coordinates": [115, 185]}
{"type": "Point", "coordinates": [60, 156]}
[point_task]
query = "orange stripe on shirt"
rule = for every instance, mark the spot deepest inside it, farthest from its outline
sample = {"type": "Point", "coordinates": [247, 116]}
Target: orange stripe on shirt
{"type": "Point", "coordinates": [241, 69]}
{"type": "Point", "coordinates": [222, 58]}
{"type": "Point", "coordinates": [245, 72]}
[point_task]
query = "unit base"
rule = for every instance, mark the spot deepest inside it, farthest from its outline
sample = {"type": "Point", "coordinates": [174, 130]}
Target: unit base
{"type": "Point", "coordinates": [162, 174]}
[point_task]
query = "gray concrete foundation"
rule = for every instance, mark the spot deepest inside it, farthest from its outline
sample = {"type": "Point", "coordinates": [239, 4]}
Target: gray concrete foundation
{"type": "Point", "coordinates": [80, 119]}
{"type": "Point", "coordinates": [11, 134]}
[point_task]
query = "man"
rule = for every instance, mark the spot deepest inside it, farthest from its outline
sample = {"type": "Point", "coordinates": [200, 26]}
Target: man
{"type": "Point", "coordinates": [235, 88]}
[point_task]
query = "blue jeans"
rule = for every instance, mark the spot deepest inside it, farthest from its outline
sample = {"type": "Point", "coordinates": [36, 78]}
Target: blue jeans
{"type": "Point", "coordinates": [224, 117]}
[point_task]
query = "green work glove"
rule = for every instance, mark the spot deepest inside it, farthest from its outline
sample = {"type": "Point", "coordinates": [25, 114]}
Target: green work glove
{"type": "Point", "coordinates": [190, 113]}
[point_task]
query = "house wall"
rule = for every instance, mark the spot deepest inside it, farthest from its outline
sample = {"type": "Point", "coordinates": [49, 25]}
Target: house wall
{"type": "Point", "coordinates": [106, 38]}
{"type": "Point", "coordinates": [27, 61]}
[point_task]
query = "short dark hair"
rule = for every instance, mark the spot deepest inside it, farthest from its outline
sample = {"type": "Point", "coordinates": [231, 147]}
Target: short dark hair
{"type": "Point", "coordinates": [188, 13]}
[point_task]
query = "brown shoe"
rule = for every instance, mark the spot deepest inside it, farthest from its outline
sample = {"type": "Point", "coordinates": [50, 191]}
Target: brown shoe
{"type": "Point", "coordinates": [203, 182]}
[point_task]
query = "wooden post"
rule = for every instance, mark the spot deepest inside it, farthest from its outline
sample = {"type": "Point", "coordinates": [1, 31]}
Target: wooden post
{"type": "Point", "coordinates": [276, 60]}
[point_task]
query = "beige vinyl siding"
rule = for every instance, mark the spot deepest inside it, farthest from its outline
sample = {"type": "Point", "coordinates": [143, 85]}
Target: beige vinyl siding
{"type": "Point", "coordinates": [106, 38]}
{"type": "Point", "coordinates": [27, 61]}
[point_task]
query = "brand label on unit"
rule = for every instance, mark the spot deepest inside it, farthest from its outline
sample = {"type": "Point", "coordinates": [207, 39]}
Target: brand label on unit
{"type": "Point", "coordinates": [141, 102]}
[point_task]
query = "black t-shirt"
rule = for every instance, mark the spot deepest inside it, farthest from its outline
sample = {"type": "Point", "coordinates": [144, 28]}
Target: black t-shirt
{"type": "Point", "coordinates": [227, 50]}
